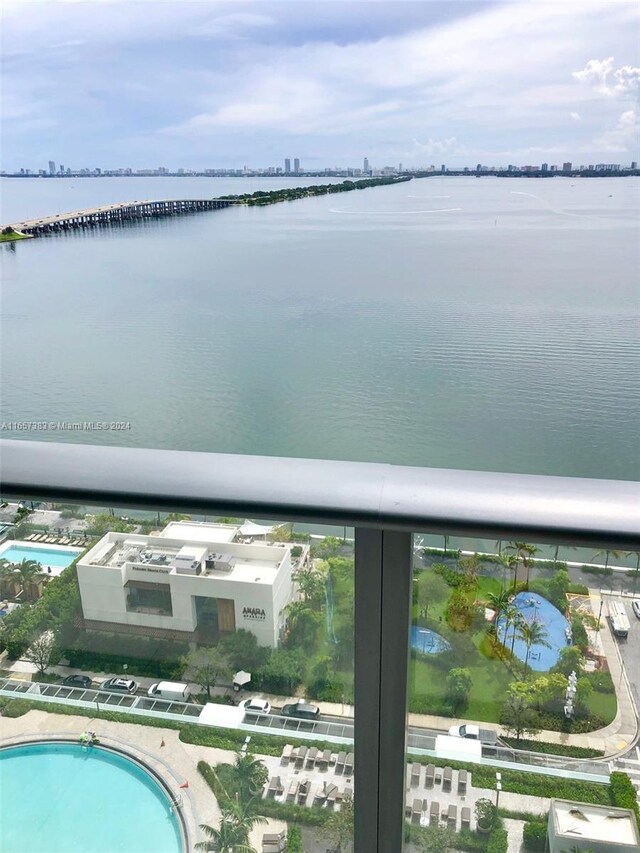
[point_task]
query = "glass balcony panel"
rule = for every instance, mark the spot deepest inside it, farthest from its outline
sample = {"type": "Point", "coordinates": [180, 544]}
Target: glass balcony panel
{"type": "Point", "coordinates": [219, 647]}
{"type": "Point", "coordinates": [523, 676]}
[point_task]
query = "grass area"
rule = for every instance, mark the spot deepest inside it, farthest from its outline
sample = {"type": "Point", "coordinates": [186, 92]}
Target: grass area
{"type": "Point", "coordinates": [14, 235]}
{"type": "Point", "coordinates": [604, 705]}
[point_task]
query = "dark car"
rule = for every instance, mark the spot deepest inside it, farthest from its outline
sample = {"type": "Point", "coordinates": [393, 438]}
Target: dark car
{"type": "Point", "coordinates": [77, 681]}
{"type": "Point", "coordinates": [120, 685]}
{"type": "Point", "coordinates": [302, 710]}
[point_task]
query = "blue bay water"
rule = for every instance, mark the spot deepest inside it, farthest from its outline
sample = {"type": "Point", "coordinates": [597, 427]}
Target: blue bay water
{"type": "Point", "coordinates": [450, 322]}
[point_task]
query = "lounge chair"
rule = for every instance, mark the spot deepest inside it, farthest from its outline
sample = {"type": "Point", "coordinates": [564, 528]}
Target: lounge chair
{"type": "Point", "coordinates": [332, 793]}
{"type": "Point", "coordinates": [465, 818]}
{"type": "Point", "coordinates": [323, 759]}
{"type": "Point", "coordinates": [462, 781]}
{"type": "Point", "coordinates": [292, 793]}
{"type": "Point", "coordinates": [429, 776]}
{"type": "Point", "coordinates": [340, 760]}
{"type": "Point", "coordinates": [447, 779]}
{"type": "Point", "coordinates": [303, 792]}
{"type": "Point", "coordinates": [311, 757]}
{"type": "Point", "coordinates": [275, 787]}
{"type": "Point", "coordinates": [29, 538]}
{"type": "Point", "coordinates": [348, 764]}
{"type": "Point", "coordinates": [320, 796]}
{"type": "Point", "coordinates": [415, 774]}
{"type": "Point", "coordinates": [274, 842]}
{"type": "Point", "coordinates": [434, 813]}
{"type": "Point", "coordinates": [416, 811]}
{"type": "Point", "coordinates": [302, 753]}
{"type": "Point", "coordinates": [452, 816]}
{"type": "Point", "coordinates": [347, 794]}
{"type": "Point", "coordinates": [286, 754]}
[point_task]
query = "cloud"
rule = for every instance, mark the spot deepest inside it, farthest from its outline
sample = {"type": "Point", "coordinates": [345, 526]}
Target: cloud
{"type": "Point", "coordinates": [621, 137]}
{"type": "Point", "coordinates": [203, 83]}
{"type": "Point", "coordinates": [596, 74]}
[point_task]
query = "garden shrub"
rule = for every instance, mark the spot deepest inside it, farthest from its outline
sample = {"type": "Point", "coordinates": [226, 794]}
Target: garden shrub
{"type": "Point", "coordinates": [498, 841]}
{"type": "Point", "coordinates": [578, 589]}
{"type": "Point", "coordinates": [598, 570]}
{"type": "Point", "coordinates": [534, 836]}
{"type": "Point", "coordinates": [623, 794]}
{"type": "Point", "coordinates": [294, 840]}
{"type": "Point", "coordinates": [170, 669]}
{"type": "Point", "coordinates": [15, 707]}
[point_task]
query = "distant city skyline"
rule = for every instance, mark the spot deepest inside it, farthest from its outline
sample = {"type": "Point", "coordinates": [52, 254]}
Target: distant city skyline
{"type": "Point", "coordinates": [209, 82]}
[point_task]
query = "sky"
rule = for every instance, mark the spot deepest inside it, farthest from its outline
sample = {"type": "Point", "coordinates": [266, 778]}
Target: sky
{"type": "Point", "coordinates": [195, 85]}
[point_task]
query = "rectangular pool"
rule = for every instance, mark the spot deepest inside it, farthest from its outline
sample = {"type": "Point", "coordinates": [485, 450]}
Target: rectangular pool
{"type": "Point", "coordinates": [52, 556]}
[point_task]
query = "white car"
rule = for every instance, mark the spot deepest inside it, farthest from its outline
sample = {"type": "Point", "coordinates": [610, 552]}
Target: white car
{"type": "Point", "coordinates": [468, 731]}
{"type": "Point", "coordinates": [635, 606]}
{"type": "Point", "coordinates": [257, 706]}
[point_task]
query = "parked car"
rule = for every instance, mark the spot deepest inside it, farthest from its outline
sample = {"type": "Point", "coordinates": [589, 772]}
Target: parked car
{"type": "Point", "coordinates": [260, 706]}
{"type": "Point", "coordinates": [77, 681]}
{"type": "Point", "coordinates": [635, 606]}
{"type": "Point", "coordinates": [175, 691]}
{"type": "Point", "coordinates": [120, 685]}
{"type": "Point", "coordinates": [467, 731]}
{"type": "Point", "coordinates": [303, 710]}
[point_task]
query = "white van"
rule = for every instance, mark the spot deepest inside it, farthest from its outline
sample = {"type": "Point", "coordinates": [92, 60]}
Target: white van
{"type": "Point", "coordinates": [172, 690]}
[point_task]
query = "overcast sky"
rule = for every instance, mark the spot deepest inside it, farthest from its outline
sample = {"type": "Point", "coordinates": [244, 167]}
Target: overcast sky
{"type": "Point", "coordinates": [223, 84]}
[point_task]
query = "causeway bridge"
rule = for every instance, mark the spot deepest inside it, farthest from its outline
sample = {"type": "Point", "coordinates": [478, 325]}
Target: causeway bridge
{"type": "Point", "coordinates": [109, 214]}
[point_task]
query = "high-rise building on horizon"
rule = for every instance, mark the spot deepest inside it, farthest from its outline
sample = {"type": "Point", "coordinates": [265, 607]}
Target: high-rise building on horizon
{"type": "Point", "coordinates": [52, 167]}
{"type": "Point", "coordinates": [287, 166]}
{"type": "Point", "coordinates": [296, 165]}
{"type": "Point", "coordinates": [443, 168]}
{"type": "Point", "coordinates": [544, 167]}
{"type": "Point", "coordinates": [365, 165]}
{"type": "Point", "coordinates": [566, 167]}
{"type": "Point", "coordinates": [634, 164]}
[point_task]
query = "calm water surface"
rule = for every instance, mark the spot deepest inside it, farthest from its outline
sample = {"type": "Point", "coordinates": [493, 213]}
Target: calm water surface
{"type": "Point", "coordinates": [451, 322]}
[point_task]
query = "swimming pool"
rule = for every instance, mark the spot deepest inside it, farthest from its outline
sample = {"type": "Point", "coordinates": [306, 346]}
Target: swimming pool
{"type": "Point", "coordinates": [65, 798]}
{"type": "Point", "coordinates": [58, 558]}
{"type": "Point", "coordinates": [535, 608]}
{"type": "Point", "coordinates": [427, 641]}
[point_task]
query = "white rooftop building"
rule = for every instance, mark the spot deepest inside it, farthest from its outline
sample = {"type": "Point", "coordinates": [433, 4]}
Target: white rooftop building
{"type": "Point", "coordinates": [599, 829]}
{"type": "Point", "coordinates": [194, 581]}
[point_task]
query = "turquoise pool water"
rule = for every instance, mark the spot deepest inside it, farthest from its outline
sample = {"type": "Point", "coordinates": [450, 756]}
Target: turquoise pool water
{"type": "Point", "coordinates": [63, 798]}
{"type": "Point", "coordinates": [58, 557]}
{"type": "Point", "coordinates": [427, 641]}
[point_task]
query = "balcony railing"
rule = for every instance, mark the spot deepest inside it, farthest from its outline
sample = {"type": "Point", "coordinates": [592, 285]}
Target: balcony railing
{"type": "Point", "coordinates": [385, 504]}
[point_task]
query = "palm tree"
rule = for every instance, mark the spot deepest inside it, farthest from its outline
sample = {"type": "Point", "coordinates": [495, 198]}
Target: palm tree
{"type": "Point", "coordinates": [510, 562]}
{"type": "Point", "coordinates": [608, 552]}
{"type": "Point", "coordinates": [28, 571]}
{"type": "Point", "coordinates": [6, 572]}
{"type": "Point", "coordinates": [250, 775]}
{"type": "Point", "coordinates": [512, 618]}
{"type": "Point", "coordinates": [533, 634]}
{"type": "Point", "coordinates": [499, 601]}
{"type": "Point", "coordinates": [230, 838]}
{"type": "Point", "coordinates": [524, 552]}
{"type": "Point", "coordinates": [635, 554]}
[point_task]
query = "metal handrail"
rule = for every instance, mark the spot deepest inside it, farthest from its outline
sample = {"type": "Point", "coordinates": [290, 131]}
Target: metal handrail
{"type": "Point", "coordinates": [568, 510]}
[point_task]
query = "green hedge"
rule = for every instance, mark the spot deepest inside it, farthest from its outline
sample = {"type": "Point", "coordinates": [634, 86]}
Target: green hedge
{"type": "Point", "coordinates": [534, 835]}
{"type": "Point", "coordinates": [294, 840]}
{"type": "Point", "coordinates": [553, 748]}
{"type": "Point", "coordinates": [623, 793]}
{"type": "Point", "coordinates": [168, 669]}
{"type": "Point", "coordinates": [14, 707]}
{"type": "Point", "coordinates": [498, 841]}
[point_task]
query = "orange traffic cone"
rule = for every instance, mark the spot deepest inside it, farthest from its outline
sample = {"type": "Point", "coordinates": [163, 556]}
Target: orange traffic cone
{"type": "Point", "coordinates": [184, 785]}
